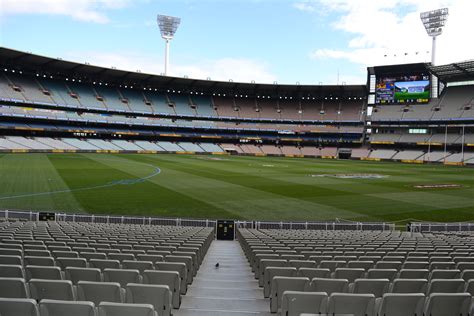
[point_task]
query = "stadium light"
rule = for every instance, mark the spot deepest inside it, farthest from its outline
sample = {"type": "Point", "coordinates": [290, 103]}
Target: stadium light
{"type": "Point", "coordinates": [168, 26]}
{"type": "Point", "coordinates": [434, 22]}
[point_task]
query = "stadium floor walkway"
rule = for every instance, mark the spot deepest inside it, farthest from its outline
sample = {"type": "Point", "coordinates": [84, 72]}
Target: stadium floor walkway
{"type": "Point", "coordinates": [230, 289]}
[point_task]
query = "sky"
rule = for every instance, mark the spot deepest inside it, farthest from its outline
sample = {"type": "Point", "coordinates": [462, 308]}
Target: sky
{"type": "Point", "coordinates": [287, 41]}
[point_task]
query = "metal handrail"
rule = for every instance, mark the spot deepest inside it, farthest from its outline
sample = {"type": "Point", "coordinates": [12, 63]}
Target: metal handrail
{"type": "Point", "coordinates": [148, 220]}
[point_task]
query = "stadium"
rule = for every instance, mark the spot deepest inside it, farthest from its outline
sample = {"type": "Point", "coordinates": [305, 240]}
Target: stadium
{"type": "Point", "coordinates": [127, 192]}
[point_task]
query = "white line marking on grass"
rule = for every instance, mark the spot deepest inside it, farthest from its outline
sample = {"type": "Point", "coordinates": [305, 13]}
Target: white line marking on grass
{"type": "Point", "coordinates": [156, 172]}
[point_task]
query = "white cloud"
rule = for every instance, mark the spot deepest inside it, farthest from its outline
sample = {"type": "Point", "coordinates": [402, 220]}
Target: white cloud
{"type": "Point", "coordinates": [81, 10]}
{"type": "Point", "coordinates": [237, 69]}
{"type": "Point", "coordinates": [305, 6]}
{"type": "Point", "coordinates": [381, 30]}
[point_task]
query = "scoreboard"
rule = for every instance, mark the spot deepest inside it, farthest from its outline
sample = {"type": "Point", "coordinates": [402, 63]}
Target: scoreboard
{"type": "Point", "coordinates": [399, 84]}
{"type": "Point", "coordinates": [412, 88]}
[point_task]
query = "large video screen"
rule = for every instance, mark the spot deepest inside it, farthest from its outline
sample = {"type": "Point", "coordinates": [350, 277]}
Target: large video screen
{"type": "Point", "coordinates": [414, 88]}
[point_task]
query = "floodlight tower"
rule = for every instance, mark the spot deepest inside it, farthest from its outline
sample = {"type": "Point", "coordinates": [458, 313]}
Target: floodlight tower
{"type": "Point", "coordinates": [434, 21]}
{"type": "Point", "coordinates": [168, 26]}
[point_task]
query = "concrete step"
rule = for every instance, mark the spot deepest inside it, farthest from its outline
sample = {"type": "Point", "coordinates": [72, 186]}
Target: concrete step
{"type": "Point", "coordinates": [230, 289]}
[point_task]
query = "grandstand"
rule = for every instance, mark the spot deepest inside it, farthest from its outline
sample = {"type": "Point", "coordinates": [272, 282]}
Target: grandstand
{"type": "Point", "coordinates": [60, 112]}
{"type": "Point", "coordinates": [183, 117]}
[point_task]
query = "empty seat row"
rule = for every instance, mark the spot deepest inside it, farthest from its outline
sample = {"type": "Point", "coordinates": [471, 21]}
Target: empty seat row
{"type": "Point", "coordinates": [64, 263]}
{"type": "Point", "coordinates": [46, 307]}
{"type": "Point", "coordinates": [76, 275]}
{"type": "Point", "coordinates": [320, 262]}
{"type": "Point", "coordinates": [359, 273]}
{"type": "Point", "coordinates": [296, 303]}
{"type": "Point", "coordinates": [353, 274]}
{"type": "Point", "coordinates": [103, 253]}
{"type": "Point", "coordinates": [376, 287]}
{"type": "Point", "coordinates": [160, 296]}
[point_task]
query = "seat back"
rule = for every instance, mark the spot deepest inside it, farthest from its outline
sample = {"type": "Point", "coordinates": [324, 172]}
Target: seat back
{"type": "Point", "coordinates": [100, 292]}
{"type": "Point", "coordinates": [271, 272]}
{"type": "Point", "coordinates": [446, 286]}
{"type": "Point", "coordinates": [13, 288]}
{"type": "Point", "coordinates": [416, 265]}
{"type": "Point", "coordinates": [385, 264]}
{"type": "Point", "coordinates": [65, 254]}
{"type": "Point", "coordinates": [364, 264]}
{"type": "Point", "coordinates": [264, 263]}
{"type": "Point", "coordinates": [328, 285]}
{"type": "Point", "coordinates": [441, 304]}
{"type": "Point", "coordinates": [18, 306]}
{"type": "Point", "coordinates": [178, 267]}
{"type": "Point", "coordinates": [351, 304]}
{"type": "Point", "coordinates": [409, 286]}
{"type": "Point", "coordinates": [442, 265]}
{"type": "Point", "coordinates": [382, 274]}
{"type": "Point", "coordinates": [445, 274]}
{"type": "Point", "coordinates": [52, 289]}
{"type": "Point", "coordinates": [463, 265]}
{"type": "Point", "coordinates": [467, 275]}
{"type": "Point", "coordinates": [11, 271]}
{"type": "Point", "coordinates": [62, 308]}
{"type": "Point", "coordinates": [121, 256]}
{"type": "Point", "coordinates": [188, 261]}
{"type": "Point", "coordinates": [395, 304]}
{"type": "Point", "coordinates": [122, 276]}
{"type": "Point", "coordinates": [414, 274]}
{"type": "Point", "coordinates": [302, 264]}
{"type": "Point", "coordinates": [349, 274]}
{"type": "Point", "coordinates": [470, 287]}
{"type": "Point", "coordinates": [157, 295]}
{"type": "Point", "coordinates": [93, 255]}
{"type": "Point", "coordinates": [39, 261]}
{"type": "Point", "coordinates": [332, 264]}
{"type": "Point", "coordinates": [121, 309]}
{"type": "Point", "coordinates": [43, 272]}
{"type": "Point", "coordinates": [138, 265]}
{"type": "Point", "coordinates": [281, 284]}
{"type": "Point", "coordinates": [83, 274]}
{"type": "Point", "coordinates": [9, 259]}
{"type": "Point", "coordinates": [169, 278]}
{"type": "Point", "coordinates": [312, 273]}
{"type": "Point", "coordinates": [71, 262]}
{"type": "Point", "coordinates": [104, 264]}
{"type": "Point", "coordinates": [377, 287]}
{"type": "Point", "coordinates": [149, 257]}
{"type": "Point", "coordinates": [295, 303]}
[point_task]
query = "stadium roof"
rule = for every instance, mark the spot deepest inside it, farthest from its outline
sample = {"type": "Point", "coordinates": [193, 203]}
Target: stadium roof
{"type": "Point", "coordinates": [463, 71]}
{"type": "Point", "coordinates": [28, 62]}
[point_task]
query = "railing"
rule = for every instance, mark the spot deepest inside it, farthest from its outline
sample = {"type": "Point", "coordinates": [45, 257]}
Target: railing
{"type": "Point", "coordinates": [424, 227]}
{"type": "Point", "coordinates": [325, 225]}
{"type": "Point", "coordinates": [144, 220]}
{"type": "Point", "coordinates": [108, 219]}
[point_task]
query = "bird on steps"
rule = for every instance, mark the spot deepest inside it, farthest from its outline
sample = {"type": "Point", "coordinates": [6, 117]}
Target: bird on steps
{"type": "Point", "coordinates": [217, 265]}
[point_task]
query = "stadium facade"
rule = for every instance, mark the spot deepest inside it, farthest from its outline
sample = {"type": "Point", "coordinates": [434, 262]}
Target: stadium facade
{"type": "Point", "coordinates": [51, 105]}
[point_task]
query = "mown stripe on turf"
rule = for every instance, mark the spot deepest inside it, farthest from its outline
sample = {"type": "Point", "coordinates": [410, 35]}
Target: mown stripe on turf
{"type": "Point", "coordinates": [372, 206]}
{"type": "Point", "coordinates": [25, 175]}
{"type": "Point", "coordinates": [160, 198]}
{"type": "Point", "coordinates": [239, 195]}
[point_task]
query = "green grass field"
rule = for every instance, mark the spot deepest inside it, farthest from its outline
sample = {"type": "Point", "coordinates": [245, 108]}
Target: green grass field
{"type": "Point", "coordinates": [399, 96]}
{"type": "Point", "coordinates": [260, 188]}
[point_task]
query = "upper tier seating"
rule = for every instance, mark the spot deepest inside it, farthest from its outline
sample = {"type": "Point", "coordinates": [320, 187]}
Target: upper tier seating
{"type": "Point", "coordinates": [99, 96]}
{"type": "Point", "coordinates": [182, 105]}
{"type": "Point", "coordinates": [450, 105]}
